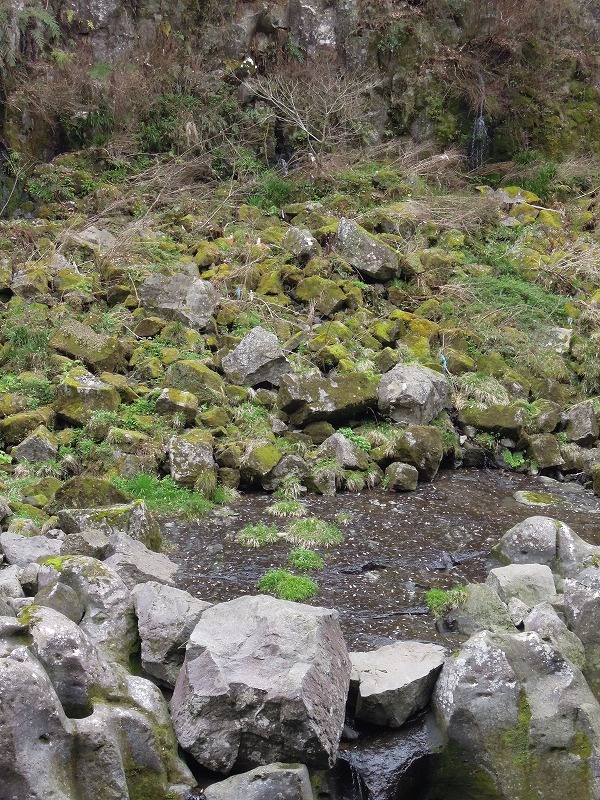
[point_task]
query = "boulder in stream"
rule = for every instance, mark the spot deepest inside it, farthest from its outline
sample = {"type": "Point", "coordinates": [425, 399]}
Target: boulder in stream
{"type": "Point", "coordinates": [271, 782]}
{"type": "Point", "coordinates": [263, 680]}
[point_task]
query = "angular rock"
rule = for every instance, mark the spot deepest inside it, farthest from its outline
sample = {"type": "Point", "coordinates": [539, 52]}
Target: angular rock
{"type": "Point", "coordinates": [582, 615]}
{"type": "Point", "coordinates": [272, 782]}
{"type": "Point", "coordinates": [306, 398]}
{"type": "Point", "coordinates": [22, 550]}
{"type": "Point", "coordinates": [89, 542]}
{"type": "Point", "coordinates": [289, 466]}
{"type": "Point", "coordinates": [108, 620]}
{"type": "Point", "coordinates": [96, 238]}
{"type": "Point", "coordinates": [543, 540]}
{"type": "Point", "coordinates": [544, 620]}
{"type": "Point", "coordinates": [301, 243]}
{"type": "Point", "coordinates": [40, 446]}
{"type": "Point", "coordinates": [271, 689]}
{"type": "Point", "coordinates": [16, 427]}
{"type": "Point", "coordinates": [36, 734]}
{"type": "Point", "coordinates": [395, 681]}
{"type": "Point", "coordinates": [10, 585]}
{"type": "Point", "coordinates": [175, 401]}
{"type": "Point", "coordinates": [482, 610]}
{"type": "Point", "coordinates": [369, 256]}
{"type": "Point", "coordinates": [82, 491]}
{"type": "Point", "coordinates": [80, 394]}
{"type": "Point", "coordinates": [190, 455]}
{"type": "Point", "coordinates": [135, 563]}
{"type": "Point", "coordinates": [531, 583]}
{"type": "Point", "coordinates": [180, 297]}
{"type": "Point", "coordinates": [134, 519]}
{"type": "Point", "coordinates": [581, 424]}
{"type": "Point", "coordinates": [326, 294]}
{"type": "Point", "coordinates": [193, 376]}
{"type": "Point", "coordinates": [258, 358]}
{"type": "Point", "coordinates": [63, 599]}
{"type": "Point", "coordinates": [97, 351]}
{"type": "Point", "coordinates": [166, 618]}
{"type": "Point", "coordinates": [413, 395]}
{"type": "Point", "coordinates": [520, 722]}
{"type": "Point", "coordinates": [401, 477]}
{"type": "Point", "coordinates": [505, 420]}
{"type": "Point", "coordinates": [544, 449]}
{"type": "Point", "coordinates": [423, 447]}
{"type": "Point", "coordinates": [76, 670]}
{"type": "Point", "coordinates": [345, 452]}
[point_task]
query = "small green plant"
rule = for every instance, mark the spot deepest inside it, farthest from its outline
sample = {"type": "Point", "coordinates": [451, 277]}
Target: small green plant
{"type": "Point", "coordinates": [225, 495]}
{"type": "Point", "coordinates": [287, 508]}
{"type": "Point", "coordinates": [360, 441]}
{"type": "Point", "coordinates": [164, 495]}
{"type": "Point", "coordinates": [287, 586]}
{"type": "Point", "coordinates": [257, 535]}
{"type": "Point", "coordinates": [290, 488]}
{"type": "Point", "coordinates": [312, 531]}
{"type": "Point", "coordinates": [305, 560]}
{"type": "Point", "coordinates": [5, 458]}
{"type": "Point", "coordinates": [440, 601]}
{"type": "Point", "coordinates": [514, 460]}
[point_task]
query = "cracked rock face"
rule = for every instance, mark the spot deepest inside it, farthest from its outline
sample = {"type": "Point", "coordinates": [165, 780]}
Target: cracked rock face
{"type": "Point", "coordinates": [258, 358]}
{"type": "Point", "coordinates": [263, 680]}
{"type": "Point", "coordinates": [180, 297]}
{"type": "Point", "coordinates": [413, 395]}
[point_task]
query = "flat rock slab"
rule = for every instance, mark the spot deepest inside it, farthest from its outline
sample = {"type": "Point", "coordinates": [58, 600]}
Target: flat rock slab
{"type": "Point", "coordinates": [273, 782]}
{"type": "Point", "coordinates": [263, 680]}
{"type": "Point", "coordinates": [22, 550]}
{"type": "Point", "coordinates": [531, 583]}
{"type": "Point", "coordinates": [395, 681]}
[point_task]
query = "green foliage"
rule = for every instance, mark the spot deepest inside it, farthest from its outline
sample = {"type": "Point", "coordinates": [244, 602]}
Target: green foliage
{"type": "Point", "coordinates": [5, 458]}
{"type": "Point", "coordinates": [271, 193]}
{"type": "Point", "coordinates": [39, 391]}
{"type": "Point", "coordinates": [286, 586]}
{"type": "Point", "coordinates": [290, 488]}
{"type": "Point", "coordinates": [313, 531]}
{"type": "Point", "coordinates": [164, 495]}
{"type": "Point", "coordinates": [514, 460]}
{"type": "Point", "coordinates": [27, 346]}
{"type": "Point", "coordinates": [305, 560]}
{"type": "Point", "coordinates": [161, 129]}
{"type": "Point", "coordinates": [355, 438]}
{"type": "Point", "coordinates": [287, 508]}
{"type": "Point", "coordinates": [257, 535]}
{"type": "Point", "coordinates": [440, 601]}
{"type": "Point", "coordinates": [36, 26]}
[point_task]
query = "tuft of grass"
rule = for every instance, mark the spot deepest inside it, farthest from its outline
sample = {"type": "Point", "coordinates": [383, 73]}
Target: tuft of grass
{"type": "Point", "coordinates": [290, 488]}
{"type": "Point", "coordinates": [440, 601]}
{"type": "Point", "coordinates": [257, 535]}
{"type": "Point", "coordinates": [287, 508]}
{"type": "Point", "coordinates": [164, 495]}
{"type": "Point", "coordinates": [312, 532]}
{"type": "Point", "coordinates": [305, 560]}
{"type": "Point", "coordinates": [287, 586]}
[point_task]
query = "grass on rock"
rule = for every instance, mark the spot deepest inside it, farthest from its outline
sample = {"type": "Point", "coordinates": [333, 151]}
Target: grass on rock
{"type": "Point", "coordinates": [163, 494]}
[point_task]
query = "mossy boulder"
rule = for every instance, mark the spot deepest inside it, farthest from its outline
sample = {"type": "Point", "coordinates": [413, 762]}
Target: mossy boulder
{"type": "Point", "coordinates": [80, 394]}
{"type": "Point", "coordinates": [12, 403]}
{"type": "Point", "coordinates": [307, 398]}
{"type": "Point", "coordinates": [176, 401]}
{"type": "Point", "coordinates": [543, 448]}
{"type": "Point", "coordinates": [191, 455]}
{"type": "Point", "coordinates": [327, 295]}
{"type": "Point", "coordinates": [132, 518]}
{"type": "Point", "coordinates": [504, 420]}
{"type": "Point", "coordinates": [370, 257]}
{"type": "Point", "coordinates": [83, 491]}
{"type": "Point", "coordinates": [16, 427]}
{"type": "Point", "coordinates": [423, 447]}
{"type": "Point", "coordinates": [595, 472]}
{"type": "Point", "coordinates": [81, 342]}
{"type": "Point", "coordinates": [195, 377]}
{"type": "Point", "coordinates": [41, 445]}
{"type": "Point", "coordinates": [401, 477]}
{"type": "Point", "coordinates": [258, 461]}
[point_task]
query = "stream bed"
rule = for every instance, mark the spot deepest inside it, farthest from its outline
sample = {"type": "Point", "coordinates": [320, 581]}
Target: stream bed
{"type": "Point", "coordinates": [396, 547]}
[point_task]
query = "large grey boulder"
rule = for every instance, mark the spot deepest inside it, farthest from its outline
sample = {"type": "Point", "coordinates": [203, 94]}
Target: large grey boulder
{"type": "Point", "coordinates": [63, 599]}
{"type": "Point", "coordinates": [401, 477]}
{"type": "Point", "coordinates": [413, 395]}
{"type": "Point", "coordinates": [72, 663]}
{"type": "Point", "coordinates": [22, 550]}
{"type": "Point", "coordinates": [520, 721]}
{"type": "Point", "coordinates": [530, 583]}
{"type": "Point", "coordinates": [258, 358]}
{"type": "Point", "coordinates": [543, 540]}
{"type": "Point", "coordinates": [544, 620]}
{"type": "Point", "coordinates": [40, 446]}
{"type": "Point", "coordinates": [365, 253]}
{"type": "Point", "coordinates": [190, 456]}
{"type": "Point", "coordinates": [10, 585]}
{"type": "Point", "coordinates": [481, 610]}
{"type": "Point", "coordinates": [263, 680]}
{"type": "Point", "coordinates": [290, 465]}
{"type": "Point", "coordinates": [134, 519]}
{"type": "Point", "coordinates": [135, 563]}
{"type": "Point", "coordinates": [36, 734]}
{"type": "Point", "coordinates": [108, 618]}
{"type": "Point", "coordinates": [581, 425]}
{"type": "Point", "coordinates": [345, 452]}
{"type": "Point", "coordinates": [310, 398]}
{"type": "Point", "coordinates": [301, 243]}
{"type": "Point", "coordinates": [166, 618]}
{"type": "Point", "coordinates": [180, 297]}
{"type": "Point", "coordinates": [395, 681]}
{"type": "Point", "coordinates": [582, 615]}
{"type": "Point", "coordinates": [271, 782]}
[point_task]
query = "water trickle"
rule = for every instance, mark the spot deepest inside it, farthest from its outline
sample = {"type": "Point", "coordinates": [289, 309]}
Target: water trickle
{"type": "Point", "coordinates": [480, 139]}
{"type": "Point", "coordinates": [357, 784]}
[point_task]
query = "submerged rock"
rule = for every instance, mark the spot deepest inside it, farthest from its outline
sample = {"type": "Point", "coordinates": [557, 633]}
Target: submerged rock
{"type": "Point", "coordinates": [263, 680]}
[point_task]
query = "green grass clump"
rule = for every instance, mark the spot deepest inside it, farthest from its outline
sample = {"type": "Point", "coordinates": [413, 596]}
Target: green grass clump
{"type": "Point", "coordinates": [305, 560]}
{"type": "Point", "coordinates": [164, 495]}
{"type": "Point", "coordinates": [360, 441]}
{"type": "Point", "coordinates": [312, 531]}
{"type": "Point", "coordinates": [287, 508]}
{"type": "Point", "coordinates": [257, 535]}
{"type": "Point", "coordinates": [440, 601]}
{"type": "Point", "coordinates": [286, 586]}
